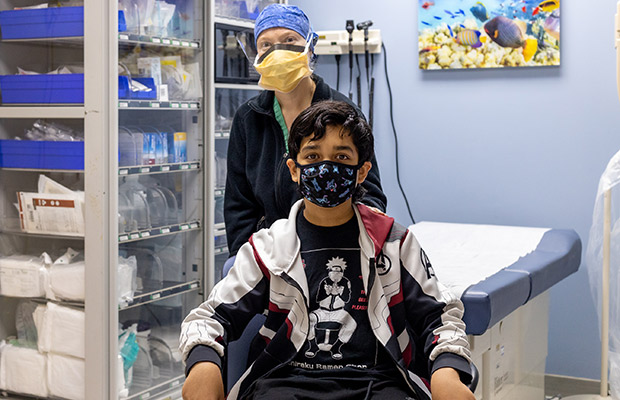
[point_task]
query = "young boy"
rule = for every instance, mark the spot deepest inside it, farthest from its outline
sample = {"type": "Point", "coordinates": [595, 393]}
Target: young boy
{"type": "Point", "coordinates": [353, 306]}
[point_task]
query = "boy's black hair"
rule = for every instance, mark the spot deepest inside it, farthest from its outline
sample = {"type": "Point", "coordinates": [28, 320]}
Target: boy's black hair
{"type": "Point", "coordinates": [314, 120]}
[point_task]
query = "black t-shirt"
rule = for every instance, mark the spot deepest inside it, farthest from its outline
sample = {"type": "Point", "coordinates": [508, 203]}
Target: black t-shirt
{"type": "Point", "coordinates": [340, 336]}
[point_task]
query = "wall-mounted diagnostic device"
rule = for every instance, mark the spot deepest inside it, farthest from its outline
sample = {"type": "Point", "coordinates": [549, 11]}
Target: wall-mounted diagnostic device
{"type": "Point", "coordinates": [337, 42]}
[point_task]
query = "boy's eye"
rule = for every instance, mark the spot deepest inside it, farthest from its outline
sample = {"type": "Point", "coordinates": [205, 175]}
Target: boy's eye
{"type": "Point", "coordinates": [311, 156]}
{"type": "Point", "coordinates": [343, 157]}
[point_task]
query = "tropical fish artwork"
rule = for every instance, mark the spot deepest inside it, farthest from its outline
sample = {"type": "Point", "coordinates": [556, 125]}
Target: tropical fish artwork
{"type": "Point", "coordinates": [468, 37]}
{"type": "Point", "coordinates": [455, 34]}
{"type": "Point", "coordinates": [507, 33]}
{"type": "Point", "coordinates": [552, 24]}
{"type": "Point", "coordinates": [549, 5]}
{"type": "Point", "coordinates": [480, 11]}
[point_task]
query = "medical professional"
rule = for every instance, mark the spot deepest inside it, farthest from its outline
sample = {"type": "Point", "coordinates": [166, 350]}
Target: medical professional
{"type": "Point", "coordinates": [258, 186]}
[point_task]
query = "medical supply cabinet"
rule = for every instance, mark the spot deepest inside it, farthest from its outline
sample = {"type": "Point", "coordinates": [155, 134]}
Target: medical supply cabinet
{"type": "Point", "coordinates": [113, 136]}
{"type": "Point", "coordinates": [235, 81]}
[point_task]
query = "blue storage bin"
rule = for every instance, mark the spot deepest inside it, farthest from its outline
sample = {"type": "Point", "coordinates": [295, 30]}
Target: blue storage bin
{"type": "Point", "coordinates": [42, 89]}
{"type": "Point", "coordinates": [41, 154]}
{"type": "Point", "coordinates": [47, 23]}
{"type": "Point", "coordinates": [61, 89]}
{"type": "Point", "coordinates": [124, 92]}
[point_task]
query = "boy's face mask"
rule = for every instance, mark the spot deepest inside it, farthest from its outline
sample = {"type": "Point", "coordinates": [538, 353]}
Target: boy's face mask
{"type": "Point", "coordinates": [327, 183]}
{"type": "Point", "coordinates": [283, 66]}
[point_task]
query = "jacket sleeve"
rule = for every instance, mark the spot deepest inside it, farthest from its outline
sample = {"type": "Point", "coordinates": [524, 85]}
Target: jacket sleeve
{"type": "Point", "coordinates": [374, 192]}
{"type": "Point", "coordinates": [241, 209]}
{"type": "Point", "coordinates": [433, 312]}
{"type": "Point", "coordinates": [233, 302]}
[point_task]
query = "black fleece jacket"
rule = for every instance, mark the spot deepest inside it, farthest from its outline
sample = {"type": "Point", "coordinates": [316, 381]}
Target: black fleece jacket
{"type": "Point", "coordinates": [259, 189]}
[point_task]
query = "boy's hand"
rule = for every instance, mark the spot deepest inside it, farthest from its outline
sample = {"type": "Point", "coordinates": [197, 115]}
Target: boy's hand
{"type": "Point", "coordinates": [446, 385]}
{"type": "Point", "coordinates": [204, 382]}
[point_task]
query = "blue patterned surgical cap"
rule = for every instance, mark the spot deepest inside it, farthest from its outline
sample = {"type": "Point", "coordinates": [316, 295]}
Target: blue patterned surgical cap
{"type": "Point", "coordinates": [284, 16]}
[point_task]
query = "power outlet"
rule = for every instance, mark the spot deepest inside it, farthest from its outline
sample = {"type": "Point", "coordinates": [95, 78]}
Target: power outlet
{"type": "Point", "coordinates": [337, 42]}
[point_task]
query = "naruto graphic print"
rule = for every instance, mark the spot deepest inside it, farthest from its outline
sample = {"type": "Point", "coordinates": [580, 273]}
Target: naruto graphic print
{"type": "Point", "coordinates": [331, 326]}
{"type": "Point", "coordinates": [339, 333]}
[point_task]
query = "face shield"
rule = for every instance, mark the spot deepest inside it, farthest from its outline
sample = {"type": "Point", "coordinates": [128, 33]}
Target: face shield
{"type": "Point", "coordinates": [283, 66]}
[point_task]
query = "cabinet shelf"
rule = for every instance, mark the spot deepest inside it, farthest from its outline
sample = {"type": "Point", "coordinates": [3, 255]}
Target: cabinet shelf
{"type": "Point", "coordinates": [41, 235]}
{"type": "Point", "coordinates": [43, 300]}
{"type": "Point", "coordinates": [159, 168]}
{"type": "Point", "coordinates": [168, 289]}
{"type": "Point", "coordinates": [190, 105]}
{"type": "Point", "coordinates": [133, 39]}
{"type": "Point", "coordinates": [66, 171]}
{"type": "Point", "coordinates": [163, 390]}
{"type": "Point", "coordinates": [124, 39]}
{"type": "Point", "coordinates": [220, 250]}
{"type": "Point", "coordinates": [36, 112]}
{"type": "Point", "coordinates": [237, 86]}
{"type": "Point", "coordinates": [166, 230]}
{"type": "Point", "coordinates": [74, 41]}
{"type": "Point", "coordinates": [222, 135]}
{"type": "Point", "coordinates": [239, 22]}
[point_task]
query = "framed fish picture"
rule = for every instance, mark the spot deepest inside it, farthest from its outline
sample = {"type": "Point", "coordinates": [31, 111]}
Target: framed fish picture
{"type": "Point", "coordinates": [456, 34]}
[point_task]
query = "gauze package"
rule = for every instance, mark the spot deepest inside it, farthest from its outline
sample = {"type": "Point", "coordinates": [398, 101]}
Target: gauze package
{"type": "Point", "coordinates": [66, 377]}
{"type": "Point", "coordinates": [66, 282]}
{"type": "Point", "coordinates": [23, 370]}
{"type": "Point", "coordinates": [126, 279]}
{"type": "Point", "coordinates": [61, 330]}
{"type": "Point", "coordinates": [66, 277]}
{"type": "Point", "coordinates": [23, 276]}
{"type": "Point", "coordinates": [24, 323]}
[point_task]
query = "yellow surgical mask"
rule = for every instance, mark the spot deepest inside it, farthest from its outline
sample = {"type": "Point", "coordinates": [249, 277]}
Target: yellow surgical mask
{"type": "Point", "coordinates": [282, 67]}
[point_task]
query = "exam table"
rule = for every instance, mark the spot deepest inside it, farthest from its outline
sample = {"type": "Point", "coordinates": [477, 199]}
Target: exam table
{"type": "Point", "coordinates": [502, 274]}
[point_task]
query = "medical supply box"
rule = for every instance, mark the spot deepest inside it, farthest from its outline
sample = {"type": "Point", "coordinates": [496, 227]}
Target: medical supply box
{"type": "Point", "coordinates": [51, 213]}
{"type": "Point", "coordinates": [41, 154]}
{"type": "Point", "coordinates": [47, 23]}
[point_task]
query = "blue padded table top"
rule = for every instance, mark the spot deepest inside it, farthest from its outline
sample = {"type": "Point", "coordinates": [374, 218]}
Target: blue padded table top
{"type": "Point", "coordinates": [496, 269]}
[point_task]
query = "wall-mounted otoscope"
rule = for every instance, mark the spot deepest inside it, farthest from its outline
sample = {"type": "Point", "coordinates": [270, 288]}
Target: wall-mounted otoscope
{"type": "Point", "coordinates": [350, 26]}
{"type": "Point", "coordinates": [363, 26]}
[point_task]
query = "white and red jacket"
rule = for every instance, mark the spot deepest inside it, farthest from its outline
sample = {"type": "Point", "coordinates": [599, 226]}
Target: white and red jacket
{"type": "Point", "coordinates": [416, 318]}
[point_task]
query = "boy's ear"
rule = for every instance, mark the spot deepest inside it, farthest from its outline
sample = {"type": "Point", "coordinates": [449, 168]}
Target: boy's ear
{"type": "Point", "coordinates": [362, 173]}
{"type": "Point", "coordinates": [293, 170]}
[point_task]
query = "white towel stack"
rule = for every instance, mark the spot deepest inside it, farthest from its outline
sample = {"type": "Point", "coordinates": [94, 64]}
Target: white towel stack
{"type": "Point", "coordinates": [23, 276]}
{"type": "Point", "coordinates": [23, 370]}
{"type": "Point", "coordinates": [57, 368]}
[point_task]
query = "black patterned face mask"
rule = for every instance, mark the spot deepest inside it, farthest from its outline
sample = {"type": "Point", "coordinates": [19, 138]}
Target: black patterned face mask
{"type": "Point", "coordinates": [327, 183]}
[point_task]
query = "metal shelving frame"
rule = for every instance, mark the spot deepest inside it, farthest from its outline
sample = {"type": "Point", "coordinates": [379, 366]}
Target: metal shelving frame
{"type": "Point", "coordinates": [101, 188]}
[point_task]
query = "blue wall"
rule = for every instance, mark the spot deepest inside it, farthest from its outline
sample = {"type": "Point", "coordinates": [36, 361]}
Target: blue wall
{"type": "Point", "coordinates": [513, 147]}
